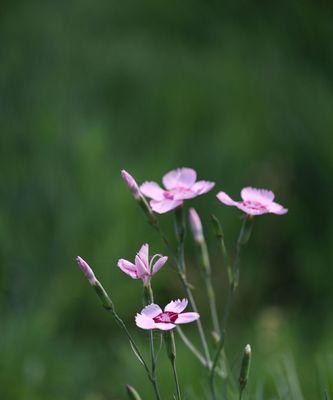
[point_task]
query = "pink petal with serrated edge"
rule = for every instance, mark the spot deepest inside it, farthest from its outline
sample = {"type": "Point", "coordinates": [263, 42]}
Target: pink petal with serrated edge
{"type": "Point", "coordinates": [151, 311]}
{"type": "Point", "coordinates": [187, 317]}
{"type": "Point", "coordinates": [176, 306]}
{"type": "Point", "coordinates": [202, 187]}
{"type": "Point", "coordinates": [276, 208]}
{"type": "Point", "coordinates": [260, 195]}
{"type": "Point", "coordinates": [184, 177]}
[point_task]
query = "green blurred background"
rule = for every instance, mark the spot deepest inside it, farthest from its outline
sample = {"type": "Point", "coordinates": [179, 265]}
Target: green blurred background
{"type": "Point", "coordinates": [240, 91]}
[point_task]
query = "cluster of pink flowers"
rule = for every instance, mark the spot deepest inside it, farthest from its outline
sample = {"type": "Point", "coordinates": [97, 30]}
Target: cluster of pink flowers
{"type": "Point", "coordinates": [179, 185]}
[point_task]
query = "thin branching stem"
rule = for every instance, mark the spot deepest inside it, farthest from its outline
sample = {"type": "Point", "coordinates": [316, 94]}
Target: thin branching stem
{"type": "Point", "coordinates": [233, 283]}
{"type": "Point", "coordinates": [187, 288]}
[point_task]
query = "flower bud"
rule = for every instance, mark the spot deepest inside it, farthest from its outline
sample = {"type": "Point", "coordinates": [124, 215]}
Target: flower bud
{"type": "Point", "coordinates": [88, 272]}
{"type": "Point", "coordinates": [135, 190]}
{"type": "Point", "coordinates": [217, 227]}
{"type": "Point", "coordinates": [245, 367]}
{"type": "Point", "coordinates": [131, 184]}
{"type": "Point", "coordinates": [132, 393]}
{"type": "Point", "coordinates": [196, 226]}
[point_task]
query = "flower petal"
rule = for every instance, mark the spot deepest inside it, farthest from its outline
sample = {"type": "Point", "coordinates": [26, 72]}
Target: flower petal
{"type": "Point", "coordinates": [128, 267]}
{"type": "Point", "coordinates": [202, 187]}
{"type": "Point", "coordinates": [259, 195]}
{"type": "Point", "coordinates": [187, 317]}
{"type": "Point", "coordinates": [251, 210]}
{"type": "Point", "coordinates": [183, 194]}
{"type": "Point", "coordinates": [152, 190]}
{"type": "Point", "coordinates": [144, 322]}
{"type": "Point", "coordinates": [276, 208]}
{"type": "Point", "coordinates": [141, 268]}
{"type": "Point", "coordinates": [164, 206]}
{"type": "Point", "coordinates": [184, 177]}
{"type": "Point", "coordinates": [176, 306]}
{"type": "Point", "coordinates": [159, 264]}
{"type": "Point", "coordinates": [164, 326]}
{"type": "Point", "coordinates": [225, 199]}
{"type": "Point", "coordinates": [152, 310]}
{"type": "Point", "coordinates": [144, 254]}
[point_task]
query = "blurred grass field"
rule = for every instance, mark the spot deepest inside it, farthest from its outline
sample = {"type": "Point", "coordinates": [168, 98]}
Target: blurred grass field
{"type": "Point", "coordinates": [242, 92]}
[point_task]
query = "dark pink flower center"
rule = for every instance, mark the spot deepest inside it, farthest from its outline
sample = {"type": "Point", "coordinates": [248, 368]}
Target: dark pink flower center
{"type": "Point", "coordinates": [254, 205]}
{"type": "Point", "coordinates": [166, 317]}
{"type": "Point", "coordinates": [168, 195]}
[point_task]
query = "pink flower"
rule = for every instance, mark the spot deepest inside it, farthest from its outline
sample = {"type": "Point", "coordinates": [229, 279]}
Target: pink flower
{"type": "Point", "coordinates": [88, 272]}
{"type": "Point", "coordinates": [255, 202]}
{"type": "Point", "coordinates": [180, 185]}
{"type": "Point", "coordinates": [152, 317]}
{"type": "Point", "coordinates": [143, 268]}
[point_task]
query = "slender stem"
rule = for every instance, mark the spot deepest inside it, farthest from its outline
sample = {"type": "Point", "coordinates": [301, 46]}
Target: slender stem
{"type": "Point", "coordinates": [171, 351]}
{"type": "Point", "coordinates": [221, 342]}
{"type": "Point", "coordinates": [153, 364]}
{"type": "Point", "coordinates": [209, 287]}
{"type": "Point", "coordinates": [191, 347]}
{"type": "Point", "coordinates": [195, 309]}
{"type": "Point", "coordinates": [148, 297]}
{"type": "Point", "coordinates": [176, 379]}
{"type": "Point", "coordinates": [133, 344]}
{"type": "Point", "coordinates": [187, 288]}
{"type": "Point", "coordinates": [195, 351]}
{"type": "Point", "coordinates": [240, 394]}
{"type": "Point", "coordinates": [214, 365]}
{"type": "Point", "coordinates": [233, 283]}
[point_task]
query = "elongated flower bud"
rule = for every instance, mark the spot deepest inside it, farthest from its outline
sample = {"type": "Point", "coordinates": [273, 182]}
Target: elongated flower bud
{"type": "Point", "coordinates": [131, 184]}
{"type": "Point", "coordinates": [85, 268]}
{"type": "Point", "coordinates": [135, 190]}
{"type": "Point", "coordinates": [217, 227]}
{"type": "Point", "coordinates": [196, 226]}
{"type": "Point", "coordinates": [88, 272]}
{"type": "Point", "coordinates": [245, 367]}
{"type": "Point", "coordinates": [132, 393]}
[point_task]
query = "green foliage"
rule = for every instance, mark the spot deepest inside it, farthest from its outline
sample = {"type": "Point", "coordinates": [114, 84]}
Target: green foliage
{"type": "Point", "coordinates": [239, 91]}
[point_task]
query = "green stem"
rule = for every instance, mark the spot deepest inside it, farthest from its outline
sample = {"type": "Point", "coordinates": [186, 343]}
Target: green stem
{"type": "Point", "coordinates": [176, 379]}
{"type": "Point", "coordinates": [243, 238]}
{"type": "Point", "coordinates": [192, 347]}
{"type": "Point", "coordinates": [148, 296]}
{"type": "Point", "coordinates": [190, 297]}
{"type": "Point", "coordinates": [187, 288]}
{"type": "Point", "coordinates": [108, 305]}
{"type": "Point", "coordinates": [209, 286]}
{"type": "Point", "coordinates": [214, 365]}
{"type": "Point", "coordinates": [171, 350]}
